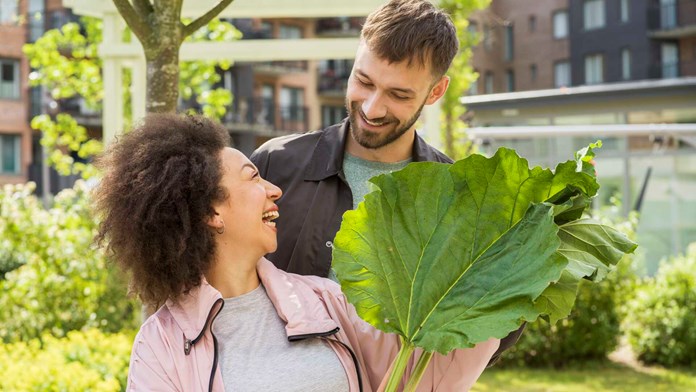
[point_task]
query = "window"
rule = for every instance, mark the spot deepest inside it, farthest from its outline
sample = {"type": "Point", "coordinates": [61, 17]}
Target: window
{"type": "Point", "coordinates": [594, 69]}
{"type": "Point", "coordinates": [487, 40]}
{"type": "Point", "coordinates": [509, 43]}
{"type": "Point", "coordinates": [9, 154]}
{"type": "Point", "coordinates": [8, 11]}
{"type": "Point", "coordinates": [670, 60]}
{"type": "Point", "coordinates": [267, 114]}
{"type": "Point", "coordinates": [668, 14]}
{"type": "Point", "coordinates": [560, 24]}
{"type": "Point", "coordinates": [593, 11]}
{"type": "Point", "coordinates": [489, 83]}
{"type": "Point", "coordinates": [510, 80]}
{"type": "Point", "coordinates": [292, 103]}
{"type": "Point", "coordinates": [532, 23]}
{"type": "Point", "coordinates": [290, 32]}
{"type": "Point", "coordinates": [332, 114]}
{"type": "Point", "coordinates": [561, 74]}
{"type": "Point", "coordinates": [626, 64]}
{"type": "Point", "coordinates": [36, 19]}
{"type": "Point", "coordinates": [533, 72]}
{"type": "Point", "coordinates": [472, 28]}
{"type": "Point", "coordinates": [624, 10]}
{"type": "Point", "coordinates": [473, 88]}
{"type": "Point", "coordinates": [9, 79]}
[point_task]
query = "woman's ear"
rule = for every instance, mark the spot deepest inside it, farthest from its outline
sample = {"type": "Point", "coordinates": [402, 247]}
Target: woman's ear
{"type": "Point", "coordinates": [215, 221]}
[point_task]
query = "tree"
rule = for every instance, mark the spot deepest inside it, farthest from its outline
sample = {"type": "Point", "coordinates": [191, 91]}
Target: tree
{"type": "Point", "coordinates": [158, 26]}
{"type": "Point", "coordinates": [456, 144]}
{"type": "Point", "coordinates": [66, 64]}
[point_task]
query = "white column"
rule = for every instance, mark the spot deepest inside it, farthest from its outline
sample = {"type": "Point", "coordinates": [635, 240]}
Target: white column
{"type": "Point", "coordinates": [431, 124]}
{"type": "Point", "coordinates": [138, 89]}
{"type": "Point", "coordinates": [112, 108]}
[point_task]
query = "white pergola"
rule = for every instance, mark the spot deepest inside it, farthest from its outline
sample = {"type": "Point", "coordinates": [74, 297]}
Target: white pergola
{"type": "Point", "coordinates": [117, 55]}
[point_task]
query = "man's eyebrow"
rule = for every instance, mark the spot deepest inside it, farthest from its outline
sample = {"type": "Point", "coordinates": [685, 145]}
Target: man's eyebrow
{"type": "Point", "coordinates": [397, 89]}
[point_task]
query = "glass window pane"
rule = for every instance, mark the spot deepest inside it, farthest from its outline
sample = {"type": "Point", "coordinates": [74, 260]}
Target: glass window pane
{"type": "Point", "coordinates": [9, 154]}
{"type": "Point", "coordinates": [560, 24]}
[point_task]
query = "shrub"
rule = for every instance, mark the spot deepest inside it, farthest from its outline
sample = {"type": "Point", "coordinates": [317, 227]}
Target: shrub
{"type": "Point", "coordinates": [661, 322]}
{"type": "Point", "coordinates": [60, 281]}
{"type": "Point", "coordinates": [82, 361]}
{"type": "Point", "coordinates": [592, 330]}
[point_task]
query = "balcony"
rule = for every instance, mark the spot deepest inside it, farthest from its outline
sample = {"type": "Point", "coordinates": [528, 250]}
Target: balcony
{"type": "Point", "coordinates": [675, 69]}
{"type": "Point", "coordinates": [332, 83]}
{"type": "Point", "coordinates": [263, 116]}
{"type": "Point", "coordinates": [279, 68]}
{"type": "Point", "coordinates": [676, 19]}
{"type": "Point", "coordinates": [78, 109]}
{"type": "Point", "coordinates": [339, 27]}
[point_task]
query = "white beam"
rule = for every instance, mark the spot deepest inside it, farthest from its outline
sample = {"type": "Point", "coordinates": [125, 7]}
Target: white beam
{"type": "Point", "coordinates": [248, 8]}
{"type": "Point", "coordinates": [248, 49]}
{"type": "Point", "coordinates": [610, 130]}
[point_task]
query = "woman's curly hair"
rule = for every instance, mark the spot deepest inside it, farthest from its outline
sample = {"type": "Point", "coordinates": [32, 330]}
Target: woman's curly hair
{"type": "Point", "coordinates": [160, 183]}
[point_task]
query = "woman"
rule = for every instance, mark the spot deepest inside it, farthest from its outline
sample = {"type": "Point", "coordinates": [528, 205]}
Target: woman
{"type": "Point", "coordinates": [190, 219]}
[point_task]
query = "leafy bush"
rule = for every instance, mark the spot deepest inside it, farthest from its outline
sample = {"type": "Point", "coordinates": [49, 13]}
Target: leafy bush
{"type": "Point", "coordinates": [82, 361]}
{"type": "Point", "coordinates": [60, 281]}
{"type": "Point", "coordinates": [661, 323]}
{"type": "Point", "coordinates": [592, 330]}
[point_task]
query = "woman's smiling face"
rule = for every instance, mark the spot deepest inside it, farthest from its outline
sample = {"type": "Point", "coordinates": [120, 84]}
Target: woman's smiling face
{"type": "Point", "coordinates": [249, 209]}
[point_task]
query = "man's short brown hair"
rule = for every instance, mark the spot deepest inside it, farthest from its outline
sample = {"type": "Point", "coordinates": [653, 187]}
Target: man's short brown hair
{"type": "Point", "coordinates": [414, 31]}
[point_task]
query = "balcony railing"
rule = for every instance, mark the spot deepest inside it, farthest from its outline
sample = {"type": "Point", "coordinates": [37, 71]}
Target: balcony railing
{"type": "Point", "coordinates": [674, 69]}
{"type": "Point", "coordinates": [280, 67]}
{"type": "Point", "coordinates": [346, 26]}
{"type": "Point", "coordinates": [331, 82]}
{"type": "Point", "coordinates": [672, 15]}
{"type": "Point", "coordinates": [263, 115]}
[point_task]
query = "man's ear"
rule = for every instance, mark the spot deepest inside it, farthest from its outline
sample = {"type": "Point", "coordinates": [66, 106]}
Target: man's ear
{"type": "Point", "coordinates": [438, 90]}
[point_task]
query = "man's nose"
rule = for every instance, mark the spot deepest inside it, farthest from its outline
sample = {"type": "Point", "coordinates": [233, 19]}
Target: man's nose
{"type": "Point", "coordinates": [373, 107]}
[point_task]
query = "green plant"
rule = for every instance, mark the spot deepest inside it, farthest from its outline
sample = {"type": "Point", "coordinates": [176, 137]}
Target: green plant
{"type": "Point", "coordinates": [81, 361]}
{"type": "Point", "coordinates": [592, 330]}
{"type": "Point", "coordinates": [447, 256]}
{"type": "Point", "coordinates": [661, 322]}
{"type": "Point", "coordinates": [63, 283]}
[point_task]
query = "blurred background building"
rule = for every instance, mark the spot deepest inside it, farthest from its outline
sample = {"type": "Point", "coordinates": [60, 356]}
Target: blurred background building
{"type": "Point", "coordinates": [556, 75]}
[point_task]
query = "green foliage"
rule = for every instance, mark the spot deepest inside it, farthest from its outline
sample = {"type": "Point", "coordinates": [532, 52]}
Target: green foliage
{"type": "Point", "coordinates": [197, 77]}
{"type": "Point", "coordinates": [592, 330]}
{"type": "Point", "coordinates": [448, 256]}
{"type": "Point", "coordinates": [81, 361]}
{"type": "Point", "coordinates": [661, 319]}
{"type": "Point", "coordinates": [457, 144]}
{"type": "Point", "coordinates": [61, 282]}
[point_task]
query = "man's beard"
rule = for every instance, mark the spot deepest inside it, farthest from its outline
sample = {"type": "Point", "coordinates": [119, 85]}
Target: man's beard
{"type": "Point", "coordinates": [375, 140]}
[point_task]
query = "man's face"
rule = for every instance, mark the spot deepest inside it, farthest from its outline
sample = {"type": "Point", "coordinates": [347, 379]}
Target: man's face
{"type": "Point", "coordinates": [385, 100]}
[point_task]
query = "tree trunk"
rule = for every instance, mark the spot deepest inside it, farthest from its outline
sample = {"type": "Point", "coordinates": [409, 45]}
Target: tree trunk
{"type": "Point", "coordinates": [162, 59]}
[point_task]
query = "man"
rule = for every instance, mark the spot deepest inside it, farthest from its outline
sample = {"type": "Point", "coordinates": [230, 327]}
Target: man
{"type": "Point", "coordinates": [406, 47]}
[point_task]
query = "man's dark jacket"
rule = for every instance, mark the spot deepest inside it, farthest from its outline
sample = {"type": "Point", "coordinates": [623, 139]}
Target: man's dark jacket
{"type": "Point", "coordinates": [308, 168]}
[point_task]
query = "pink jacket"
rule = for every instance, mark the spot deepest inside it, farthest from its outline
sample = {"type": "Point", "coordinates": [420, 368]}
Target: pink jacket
{"type": "Point", "coordinates": [175, 350]}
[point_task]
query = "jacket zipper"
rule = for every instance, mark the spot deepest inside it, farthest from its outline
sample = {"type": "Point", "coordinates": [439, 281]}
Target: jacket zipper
{"type": "Point", "coordinates": [296, 338]}
{"type": "Point", "coordinates": [188, 343]}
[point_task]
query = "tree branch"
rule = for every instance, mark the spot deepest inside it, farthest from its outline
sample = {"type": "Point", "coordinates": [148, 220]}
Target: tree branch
{"type": "Point", "coordinates": [207, 17]}
{"type": "Point", "coordinates": [144, 8]}
{"type": "Point", "coordinates": [133, 19]}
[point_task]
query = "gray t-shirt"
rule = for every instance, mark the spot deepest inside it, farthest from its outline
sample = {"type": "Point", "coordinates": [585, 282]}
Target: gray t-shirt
{"type": "Point", "coordinates": [255, 354]}
{"type": "Point", "coordinates": [358, 171]}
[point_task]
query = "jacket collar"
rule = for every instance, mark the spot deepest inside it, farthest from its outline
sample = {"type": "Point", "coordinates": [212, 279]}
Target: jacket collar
{"type": "Point", "coordinates": [327, 157]}
{"type": "Point", "coordinates": [295, 301]}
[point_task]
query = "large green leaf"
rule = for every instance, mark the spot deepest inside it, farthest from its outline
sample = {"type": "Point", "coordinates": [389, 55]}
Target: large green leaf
{"type": "Point", "coordinates": [450, 255]}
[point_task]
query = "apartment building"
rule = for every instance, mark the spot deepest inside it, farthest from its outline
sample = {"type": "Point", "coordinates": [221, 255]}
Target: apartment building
{"type": "Point", "coordinates": [15, 133]}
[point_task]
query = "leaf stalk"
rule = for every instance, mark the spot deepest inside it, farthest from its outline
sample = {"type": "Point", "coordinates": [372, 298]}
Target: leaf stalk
{"type": "Point", "coordinates": [418, 372]}
{"type": "Point", "coordinates": [399, 366]}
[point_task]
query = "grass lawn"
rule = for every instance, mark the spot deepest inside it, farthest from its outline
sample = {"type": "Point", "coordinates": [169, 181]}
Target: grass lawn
{"type": "Point", "coordinates": [611, 377]}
